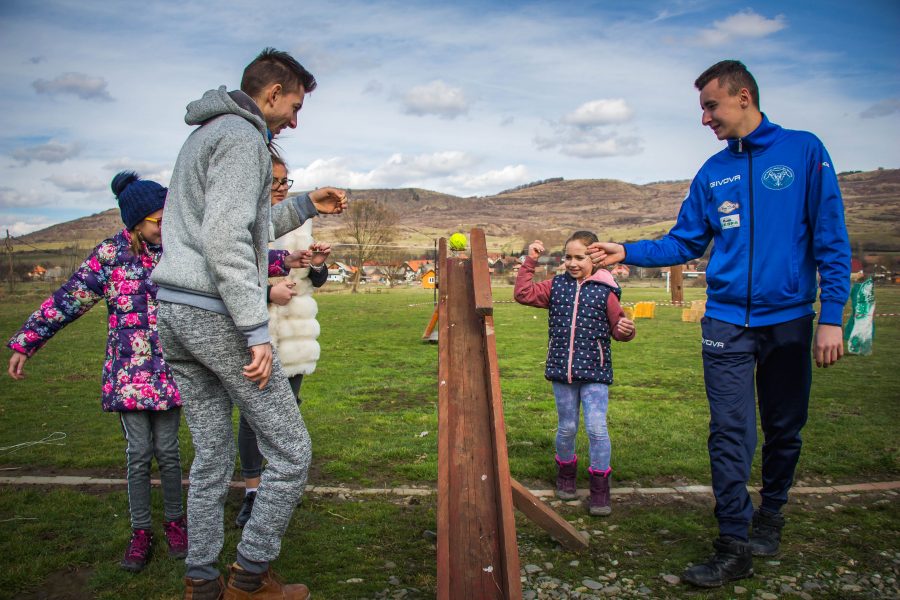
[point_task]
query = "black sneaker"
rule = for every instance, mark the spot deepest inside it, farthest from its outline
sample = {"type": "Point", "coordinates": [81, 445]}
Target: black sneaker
{"type": "Point", "coordinates": [246, 510]}
{"type": "Point", "coordinates": [732, 561]}
{"type": "Point", "coordinates": [765, 537]}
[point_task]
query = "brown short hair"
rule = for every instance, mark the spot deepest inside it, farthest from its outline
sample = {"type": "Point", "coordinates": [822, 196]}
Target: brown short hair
{"type": "Point", "coordinates": [734, 75]}
{"type": "Point", "coordinates": [585, 237]}
{"type": "Point", "coordinates": [275, 66]}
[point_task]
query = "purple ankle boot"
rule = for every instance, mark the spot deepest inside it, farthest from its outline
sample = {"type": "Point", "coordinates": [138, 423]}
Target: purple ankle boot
{"type": "Point", "coordinates": [565, 478]}
{"type": "Point", "coordinates": [599, 504]}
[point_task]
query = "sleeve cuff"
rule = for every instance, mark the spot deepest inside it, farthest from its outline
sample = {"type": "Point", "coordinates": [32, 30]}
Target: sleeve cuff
{"type": "Point", "coordinates": [305, 207]}
{"type": "Point", "coordinates": [258, 335]}
{"type": "Point", "coordinates": [832, 313]}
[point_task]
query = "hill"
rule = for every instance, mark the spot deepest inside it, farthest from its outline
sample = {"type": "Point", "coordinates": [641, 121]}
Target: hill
{"type": "Point", "coordinates": [550, 211]}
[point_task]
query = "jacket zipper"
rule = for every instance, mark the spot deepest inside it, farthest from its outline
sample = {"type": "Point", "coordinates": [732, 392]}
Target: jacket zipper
{"type": "Point", "coordinates": [750, 267]}
{"type": "Point", "coordinates": [572, 331]}
{"type": "Point", "coordinates": [602, 358]}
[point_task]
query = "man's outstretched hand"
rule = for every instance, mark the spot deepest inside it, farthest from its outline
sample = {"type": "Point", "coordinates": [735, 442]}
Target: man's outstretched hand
{"type": "Point", "coordinates": [329, 200]}
{"type": "Point", "coordinates": [606, 253]}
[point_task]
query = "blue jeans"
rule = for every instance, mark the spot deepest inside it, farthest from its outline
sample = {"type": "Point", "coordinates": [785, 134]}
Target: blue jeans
{"type": "Point", "coordinates": [595, 399]}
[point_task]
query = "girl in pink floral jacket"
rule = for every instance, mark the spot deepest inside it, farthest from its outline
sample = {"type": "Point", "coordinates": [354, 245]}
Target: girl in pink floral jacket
{"type": "Point", "coordinates": [137, 382]}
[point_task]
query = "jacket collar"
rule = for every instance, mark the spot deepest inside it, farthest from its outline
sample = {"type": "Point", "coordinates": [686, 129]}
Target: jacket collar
{"type": "Point", "coordinates": [759, 139]}
{"type": "Point", "coordinates": [600, 276]}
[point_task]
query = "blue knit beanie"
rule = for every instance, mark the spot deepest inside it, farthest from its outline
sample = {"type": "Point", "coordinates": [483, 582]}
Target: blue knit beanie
{"type": "Point", "coordinates": [137, 197]}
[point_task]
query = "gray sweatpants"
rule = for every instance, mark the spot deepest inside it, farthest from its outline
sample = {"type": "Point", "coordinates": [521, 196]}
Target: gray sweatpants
{"type": "Point", "coordinates": [150, 433]}
{"type": "Point", "coordinates": [207, 354]}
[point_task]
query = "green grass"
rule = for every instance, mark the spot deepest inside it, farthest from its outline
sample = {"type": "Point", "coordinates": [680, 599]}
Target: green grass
{"type": "Point", "coordinates": [367, 405]}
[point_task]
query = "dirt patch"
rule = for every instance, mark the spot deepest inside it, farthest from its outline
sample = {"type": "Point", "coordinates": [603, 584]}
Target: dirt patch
{"type": "Point", "coordinates": [69, 584]}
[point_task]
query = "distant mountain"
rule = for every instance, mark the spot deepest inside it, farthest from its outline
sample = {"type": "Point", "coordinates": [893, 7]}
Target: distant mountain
{"type": "Point", "coordinates": [552, 209]}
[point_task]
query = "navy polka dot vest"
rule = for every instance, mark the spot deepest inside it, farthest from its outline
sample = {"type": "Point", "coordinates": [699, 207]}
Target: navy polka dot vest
{"type": "Point", "coordinates": [585, 355]}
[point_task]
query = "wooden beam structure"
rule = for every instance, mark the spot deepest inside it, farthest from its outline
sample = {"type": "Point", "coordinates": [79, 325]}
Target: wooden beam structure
{"type": "Point", "coordinates": [477, 552]}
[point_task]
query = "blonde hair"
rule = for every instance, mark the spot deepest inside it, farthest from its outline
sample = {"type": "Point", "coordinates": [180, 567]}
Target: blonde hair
{"type": "Point", "coordinates": [137, 242]}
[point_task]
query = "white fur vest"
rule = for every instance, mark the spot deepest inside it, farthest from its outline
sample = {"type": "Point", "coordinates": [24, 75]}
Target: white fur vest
{"type": "Point", "coordinates": [293, 327]}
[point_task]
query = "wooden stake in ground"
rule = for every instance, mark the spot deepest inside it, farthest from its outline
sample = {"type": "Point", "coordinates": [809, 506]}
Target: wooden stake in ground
{"type": "Point", "coordinates": [676, 283]}
{"type": "Point", "coordinates": [477, 553]}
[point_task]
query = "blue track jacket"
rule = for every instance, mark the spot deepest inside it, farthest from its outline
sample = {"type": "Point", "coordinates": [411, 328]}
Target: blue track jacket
{"type": "Point", "coordinates": [771, 204]}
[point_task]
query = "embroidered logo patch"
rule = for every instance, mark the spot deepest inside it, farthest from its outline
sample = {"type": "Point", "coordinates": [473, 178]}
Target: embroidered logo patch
{"type": "Point", "coordinates": [779, 177]}
{"type": "Point", "coordinates": [728, 207]}
{"type": "Point", "coordinates": [730, 221]}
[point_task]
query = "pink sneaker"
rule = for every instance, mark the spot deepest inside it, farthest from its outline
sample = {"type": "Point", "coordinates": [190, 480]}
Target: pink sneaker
{"type": "Point", "coordinates": [176, 537]}
{"type": "Point", "coordinates": [138, 552]}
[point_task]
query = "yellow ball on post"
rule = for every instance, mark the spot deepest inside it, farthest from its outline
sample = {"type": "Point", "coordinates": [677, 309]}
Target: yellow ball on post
{"type": "Point", "coordinates": [457, 242]}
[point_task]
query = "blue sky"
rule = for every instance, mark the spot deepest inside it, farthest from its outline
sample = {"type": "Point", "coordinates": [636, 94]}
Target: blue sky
{"type": "Point", "coordinates": [467, 98]}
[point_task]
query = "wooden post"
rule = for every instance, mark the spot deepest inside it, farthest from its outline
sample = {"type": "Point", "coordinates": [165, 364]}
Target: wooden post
{"type": "Point", "coordinates": [677, 283]}
{"type": "Point", "coordinates": [9, 250]}
{"type": "Point", "coordinates": [477, 551]}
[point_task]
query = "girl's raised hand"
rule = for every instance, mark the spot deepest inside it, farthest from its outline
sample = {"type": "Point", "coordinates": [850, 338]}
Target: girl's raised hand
{"type": "Point", "coordinates": [535, 249]}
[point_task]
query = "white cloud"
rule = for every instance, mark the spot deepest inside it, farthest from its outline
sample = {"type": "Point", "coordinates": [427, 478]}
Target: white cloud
{"type": "Point", "coordinates": [397, 171]}
{"type": "Point", "coordinates": [881, 109]}
{"type": "Point", "coordinates": [76, 182]}
{"type": "Point", "coordinates": [591, 143]}
{"type": "Point", "coordinates": [590, 131]}
{"type": "Point", "coordinates": [158, 172]}
{"type": "Point", "coordinates": [77, 84]}
{"type": "Point", "coordinates": [10, 197]}
{"type": "Point", "coordinates": [51, 152]}
{"type": "Point", "coordinates": [373, 87]}
{"type": "Point", "coordinates": [746, 24]}
{"type": "Point", "coordinates": [436, 98]}
{"type": "Point", "coordinates": [599, 112]}
{"type": "Point", "coordinates": [493, 180]}
{"type": "Point", "coordinates": [17, 227]}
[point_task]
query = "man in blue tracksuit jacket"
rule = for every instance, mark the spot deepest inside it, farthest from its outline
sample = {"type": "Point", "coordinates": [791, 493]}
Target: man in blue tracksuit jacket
{"type": "Point", "coordinates": [770, 202]}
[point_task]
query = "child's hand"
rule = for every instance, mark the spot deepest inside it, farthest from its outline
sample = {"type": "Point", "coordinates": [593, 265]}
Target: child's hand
{"type": "Point", "coordinates": [282, 292]}
{"type": "Point", "coordinates": [298, 260]}
{"type": "Point", "coordinates": [625, 327]}
{"type": "Point", "coordinates": [17, 365]}
{"type": "Point", "coordinates": [535, 249]}
{"type": "Point", "coordinates": [320, 252]}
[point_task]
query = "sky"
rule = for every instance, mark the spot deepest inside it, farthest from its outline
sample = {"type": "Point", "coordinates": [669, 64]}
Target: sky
{"type": "Point", "coordinates": [467, 98]}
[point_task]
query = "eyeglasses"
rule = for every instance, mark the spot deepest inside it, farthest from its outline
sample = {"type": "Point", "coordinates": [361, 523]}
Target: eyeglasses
{"type": "Point", "coordinates": [277, 183]}
{"type": "Point", "coordinates": [154, 220]}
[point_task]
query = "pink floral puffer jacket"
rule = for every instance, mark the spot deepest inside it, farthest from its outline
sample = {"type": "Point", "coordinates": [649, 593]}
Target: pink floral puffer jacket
{"type": "Point", "coordinates": [135, 376]}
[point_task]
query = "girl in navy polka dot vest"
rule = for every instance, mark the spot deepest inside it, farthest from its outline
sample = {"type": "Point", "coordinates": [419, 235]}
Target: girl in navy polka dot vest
{"type": "Point", "coordinates": [584, 314]}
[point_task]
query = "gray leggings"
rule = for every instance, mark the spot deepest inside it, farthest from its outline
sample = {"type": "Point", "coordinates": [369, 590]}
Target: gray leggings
{"type": "Point", "coordinates": [207, 354]}
{"type": "Point", "coordinates": [248, 449]}
{"type": "Point", "coordinates": [150, 433]}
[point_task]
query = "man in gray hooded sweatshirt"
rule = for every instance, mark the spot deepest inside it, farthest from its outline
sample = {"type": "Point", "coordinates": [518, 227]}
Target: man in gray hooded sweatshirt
{"type": "Point", "coordinates": [212, 318]}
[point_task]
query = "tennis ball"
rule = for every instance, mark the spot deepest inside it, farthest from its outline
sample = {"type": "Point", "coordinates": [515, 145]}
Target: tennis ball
{"type": "Point", "coordinates": [457, 241]}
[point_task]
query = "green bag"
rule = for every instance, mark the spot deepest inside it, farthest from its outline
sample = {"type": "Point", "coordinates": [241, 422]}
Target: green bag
{"type": "Point", "coordinates": [860, 330]}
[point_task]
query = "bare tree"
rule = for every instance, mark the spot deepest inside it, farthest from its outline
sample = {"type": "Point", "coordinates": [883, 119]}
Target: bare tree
{"type": "Point", "coordinates": [368, 226]}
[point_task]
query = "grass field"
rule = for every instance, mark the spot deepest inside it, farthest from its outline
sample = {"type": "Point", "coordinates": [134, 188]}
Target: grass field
{"type": "Point", "coordinates": [370, 408]}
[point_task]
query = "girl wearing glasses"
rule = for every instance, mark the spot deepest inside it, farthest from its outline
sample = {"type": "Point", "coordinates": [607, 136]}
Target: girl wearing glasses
{"type": "Point", "coordinates": [292, 327]}
{"type": "Point", "coordinates": [137, 383]}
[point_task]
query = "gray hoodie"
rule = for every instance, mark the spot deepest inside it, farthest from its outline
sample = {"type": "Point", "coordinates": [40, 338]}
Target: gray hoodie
{"type": "Point", "coordinates": [218, 215]}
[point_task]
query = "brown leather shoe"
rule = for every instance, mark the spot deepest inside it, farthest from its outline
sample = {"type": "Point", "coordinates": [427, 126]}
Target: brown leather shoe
{"type": "Point", "coordinates": [244, 585]}
{"type": "Point", "coordinates": [204, 589]}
